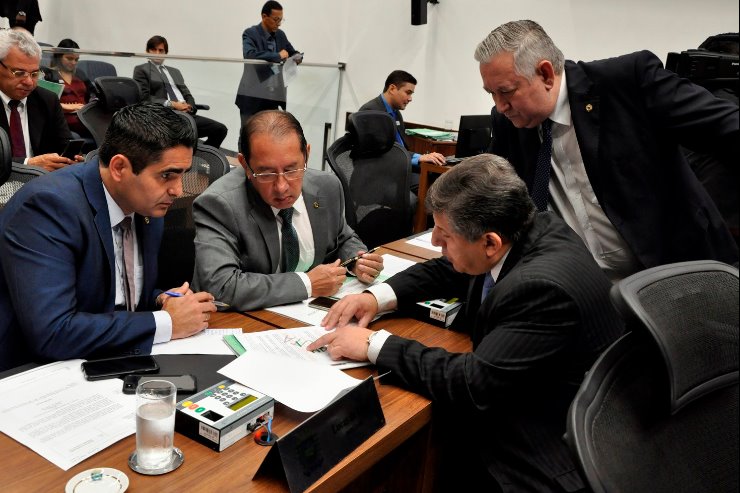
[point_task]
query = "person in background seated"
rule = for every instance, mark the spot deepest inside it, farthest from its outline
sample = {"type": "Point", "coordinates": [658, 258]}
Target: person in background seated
{"type": "Point", "coordinates": [33, 118]}
{"type": "Point", "coordinates": [538, 313]}
{"type": "Point", "coordinates": [274, 232]}
{"type": "Point", "coordinates": [77, 87]}
{"type": "Point", "coordinates": [165, 85]}
{"type": "Point", "coordinates": [78, 249]}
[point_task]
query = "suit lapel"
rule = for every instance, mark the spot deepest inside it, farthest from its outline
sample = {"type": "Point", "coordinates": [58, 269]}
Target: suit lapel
{"type": "Point", "coordinates": [316, 206]}
{"type": "Point", "coordinates": [36, 120]}
{"type": "Point", "coordinates": [262, 215]}
{"type": "Point", "coordinates": [93, 187]}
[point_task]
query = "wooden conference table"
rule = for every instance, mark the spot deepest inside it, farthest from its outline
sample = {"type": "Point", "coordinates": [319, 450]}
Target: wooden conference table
{"type": "Point", "coordinates": [398, 457]}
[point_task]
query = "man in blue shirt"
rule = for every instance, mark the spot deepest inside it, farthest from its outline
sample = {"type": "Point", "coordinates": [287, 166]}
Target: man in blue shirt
{"type": "Point", "coordinates": [261, 86]}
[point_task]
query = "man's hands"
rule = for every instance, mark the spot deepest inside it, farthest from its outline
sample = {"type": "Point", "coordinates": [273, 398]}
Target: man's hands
{"type": "Point", "coordinates": [433, 157]}
{"type": "Point", "coordinates": [326, 279]}
{"type": "Point", "coordinates": [368, 266]}
{"type": "Point", "coordinates": [190, 312]}
{"type": "Point", "coordinates": [51, 162]}
{"type": "Point", "coordinates": [362, 306]}
{"type": "Point", "coordinates": [346, 342]}
{"type": "Point", "coordinates": [71, 107]}
{"type": "Point", "coordinates": [182, 106]}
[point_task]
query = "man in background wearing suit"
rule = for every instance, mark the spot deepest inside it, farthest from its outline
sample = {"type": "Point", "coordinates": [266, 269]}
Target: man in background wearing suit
{"type": "Point", "coordinates": [273, 231]}
{"type": "Point", "coordinates": [537, 311]}
{"type": "Point", "coordinates": [165, 85]}
{"type": "Point", "coordinates": [78, 249]}
{"type": "Point", "coordinates": [397, 92]}
{"type": "Point", "coordinates": [262, 86]}
{"type": "Point", "coordinates": [32, 118]}
{"type": "Point", "coordinates": [611, 164]}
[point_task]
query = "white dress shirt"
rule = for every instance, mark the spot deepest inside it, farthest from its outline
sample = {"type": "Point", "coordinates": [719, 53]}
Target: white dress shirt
{"type": "Point", "coordinates": [24, 122]}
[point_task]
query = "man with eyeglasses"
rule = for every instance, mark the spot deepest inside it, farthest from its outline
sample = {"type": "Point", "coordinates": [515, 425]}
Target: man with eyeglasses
{"type": "Point", "coordinates": [273, 232]}
{"type": "Point", "coordinates": [33, 119]}
{"type": "Point", "coordinates": [261, 86]}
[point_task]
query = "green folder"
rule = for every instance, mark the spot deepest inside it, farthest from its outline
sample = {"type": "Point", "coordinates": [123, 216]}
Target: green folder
{"type": "Point", "coordinates": [54, 87]}
{"type": "Point", "coordinates": [234, 344]}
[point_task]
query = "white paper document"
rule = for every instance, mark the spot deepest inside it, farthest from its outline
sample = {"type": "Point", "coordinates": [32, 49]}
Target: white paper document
{"type": "Point", "coordinates": [209, 341]}
{"type": "Point", "coordinates": [291, 343]}
{"type": "Point", "coordinates": [61, 416]}
{"type": "Point", "coordinates": [424, 241]}
{"type": "Point", "coordinates": [299, 384]}
{"type": "Point", "coordinates": [392, 265]}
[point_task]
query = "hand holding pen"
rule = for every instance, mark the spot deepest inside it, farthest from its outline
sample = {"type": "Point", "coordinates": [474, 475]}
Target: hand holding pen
{"type": "Point", "coordinates": [175, 294]}
{"type": "Point", "coordinates": [368, 265]}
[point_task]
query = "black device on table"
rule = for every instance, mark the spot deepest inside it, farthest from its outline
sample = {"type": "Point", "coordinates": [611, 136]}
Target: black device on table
{"type": "Point", "coordinates": [322, 302]}
{"type": "Point", "coordinates": [100, 369]}
{"type": "Point", "coordinates": [473, 137]}
{"type": "Point", "coordinates": [73, 148]}
{"type": "Point", "coordinates": [184, 383]}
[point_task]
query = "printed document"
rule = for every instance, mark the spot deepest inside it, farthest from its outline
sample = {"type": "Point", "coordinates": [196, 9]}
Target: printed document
{"type": "Point", "coordinates": [424, 241]}
{"type": "Point", "coordinates": [209, 341]}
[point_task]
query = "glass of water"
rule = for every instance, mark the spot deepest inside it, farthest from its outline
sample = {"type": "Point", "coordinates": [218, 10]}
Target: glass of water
{"type": "Point", "coordinates": [155, 428]}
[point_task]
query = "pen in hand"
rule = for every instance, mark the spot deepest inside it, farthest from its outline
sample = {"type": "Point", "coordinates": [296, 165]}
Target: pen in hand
{"type": "Point", "coordinates": [175, 294]}
{"type": "Point", "coordinates": [357, 257]}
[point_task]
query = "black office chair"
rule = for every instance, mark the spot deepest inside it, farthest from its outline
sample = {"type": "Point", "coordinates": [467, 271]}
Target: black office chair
{"type": "Point", "coordinates": [6, 159]}
{"type": "Point", "coordinates": [113, 94]}
{"type": "Point", "coordinates": [375, 175]}
{"type": "Point", "coordinates": [177, 251]}
{"type": "Point", "coordinates": [97, 68]}
{"type": "Point", "coordinates": [658, 411]}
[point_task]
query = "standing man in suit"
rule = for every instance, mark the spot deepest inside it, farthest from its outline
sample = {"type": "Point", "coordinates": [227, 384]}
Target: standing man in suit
{"type": "Point", "coordinates": [538, 313]}
{"type": "Point", "coordinates": [78, 249]}
{"type": "Point", "coordinates": [165, 85]}
{"type": "Point", "coordinates": [274, 232]}
{"type": "Point", "coordinates": [611, 165]}
{"type": "Point", "coordinates": [33, 119]}
{"type": "Point", "coordinates": [397, 92]}
{"type": "Point", "coordinates": [261, 86]}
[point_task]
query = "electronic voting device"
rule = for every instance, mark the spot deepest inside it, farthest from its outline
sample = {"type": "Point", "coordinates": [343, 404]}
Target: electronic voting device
{"type": "Point", "coordinates": [222, 414]}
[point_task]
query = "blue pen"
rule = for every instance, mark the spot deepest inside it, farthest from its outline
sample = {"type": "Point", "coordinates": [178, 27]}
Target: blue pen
{"type": "Point", "coordinates": [175, 294]}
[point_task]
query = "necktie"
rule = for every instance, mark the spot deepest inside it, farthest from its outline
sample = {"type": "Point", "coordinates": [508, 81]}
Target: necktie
{"type": "Point", "coordinates": [129, 282]}
{"type": "Point", "coordinates": [290, 241]}
{"type": "Point", "coordinates": [541, 186]}
{"type": "Point", "coordinates": [167, 86]}
{"type": "Point", "coordinates": [17, 143]}
{"type": "Point", "coordinates": [488, 283]}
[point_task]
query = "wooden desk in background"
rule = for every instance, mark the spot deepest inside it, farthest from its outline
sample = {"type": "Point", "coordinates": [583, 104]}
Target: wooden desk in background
{"type": "Point", "coordinates": [422, 145]}
{"type": "Point", "coordinates": [420, 218]}
{"type": "Point", "coordinates": [398, 457]}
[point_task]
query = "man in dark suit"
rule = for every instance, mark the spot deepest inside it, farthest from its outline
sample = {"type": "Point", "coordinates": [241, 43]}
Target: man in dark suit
{"type": "Point", "coordinates": [262, 86]}
{"type": "Point", "coordinates": [612, 166]}
{"type": "Point", "coordinates": [538, 313]}
{"type": "Point", "coordinates": [165, 85]}
{"type": "Point", "coordinates": [32, 118]}
{"type": "Point", "coordinates": [78, 249]}
{"type": "Point", "coordinates": [242, 235]}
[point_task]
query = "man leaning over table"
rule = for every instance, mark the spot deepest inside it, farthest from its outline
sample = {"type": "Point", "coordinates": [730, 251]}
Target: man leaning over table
{"type": "Point", "coordinates": [538, 314]}
{"type": "Point", "coordinates": [65, 289]}
{"type": "Point", "coordinates": [274, 232]}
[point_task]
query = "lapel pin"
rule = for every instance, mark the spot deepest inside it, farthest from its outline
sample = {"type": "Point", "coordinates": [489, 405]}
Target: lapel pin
{"type": "Point", "coordinates": [315, 205]}
{"type": "Point", "coordinates": [146, 220]}
{"type": "Point", "coordinates": [589, 107]}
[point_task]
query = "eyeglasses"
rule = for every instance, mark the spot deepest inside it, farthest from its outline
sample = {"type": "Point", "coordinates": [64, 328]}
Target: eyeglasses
{"type": "Point", "coordinates": [22, 74]}
{"type": "Point", "coordinates": [291, 175]}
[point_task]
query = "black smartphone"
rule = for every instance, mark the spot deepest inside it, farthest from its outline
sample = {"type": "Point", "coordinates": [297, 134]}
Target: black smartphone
{"type": "Point", "coordinates": [100, 369]}
{"type": "Point", "coordinates": [322, 302]}
{"type": "Point", "coordinates": [184, 383]}
{"type": "Point", "coordinates": [73, 148]}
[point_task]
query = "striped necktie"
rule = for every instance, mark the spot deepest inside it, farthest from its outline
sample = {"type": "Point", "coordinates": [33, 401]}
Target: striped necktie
{"type": "Point", "coordinates": [290, 241]}
{"type": "Point", "coordinates": [541, 186]}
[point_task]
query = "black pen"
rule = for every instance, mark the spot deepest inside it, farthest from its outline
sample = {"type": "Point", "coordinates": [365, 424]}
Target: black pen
{"type": "Point", "coordinates": [175, 294]}
{"type": "Point", "coordinates": [357, 257]}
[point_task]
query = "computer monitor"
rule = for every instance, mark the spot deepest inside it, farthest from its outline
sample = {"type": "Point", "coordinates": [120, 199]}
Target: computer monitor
{"type": "Point", "coordinates": [473, 136]}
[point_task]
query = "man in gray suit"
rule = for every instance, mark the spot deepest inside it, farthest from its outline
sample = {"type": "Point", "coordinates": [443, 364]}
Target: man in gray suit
{"type": "Point", "coordinates": [274, 232]}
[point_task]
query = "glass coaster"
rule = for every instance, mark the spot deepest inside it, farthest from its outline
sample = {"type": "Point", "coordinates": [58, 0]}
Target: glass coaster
{"type": "Point", "coordinates": [177, 460]}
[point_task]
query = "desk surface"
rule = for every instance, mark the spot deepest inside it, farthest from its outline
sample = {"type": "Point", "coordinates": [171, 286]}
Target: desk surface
{"type": "Point", "coordinates": [406, 414]}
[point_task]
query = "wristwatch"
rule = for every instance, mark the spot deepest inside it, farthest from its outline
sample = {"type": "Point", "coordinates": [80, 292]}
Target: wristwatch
{"type": "Point", "coordinates": [168, 103]}
{"type": "Point", "coordinates": [370, 338]}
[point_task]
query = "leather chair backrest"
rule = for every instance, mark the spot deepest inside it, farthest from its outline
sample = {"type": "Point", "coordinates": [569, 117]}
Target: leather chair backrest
{"type": "Point", "coordinates": [372, 132]}
{"type": "Point", "coordinates": [116, 92]}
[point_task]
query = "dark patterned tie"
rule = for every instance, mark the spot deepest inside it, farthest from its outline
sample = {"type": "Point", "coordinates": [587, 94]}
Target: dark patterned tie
{"type": "Point", "coordinates": [290, 241]}
{"type": "Point", "coordinates": [541, 186]}
{"type": "Point", "coordinates": [488, 283]}
{"type": "Point", "coordinates": [167, 86]}
{"type": "Point", "coordinates": [129, 280]}
{"type": "Point", "coordinates": [17, 142]}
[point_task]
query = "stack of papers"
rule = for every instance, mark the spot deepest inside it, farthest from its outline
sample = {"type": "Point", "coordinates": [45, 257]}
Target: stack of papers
{"type": "Point", "coordinates": [430, 134]}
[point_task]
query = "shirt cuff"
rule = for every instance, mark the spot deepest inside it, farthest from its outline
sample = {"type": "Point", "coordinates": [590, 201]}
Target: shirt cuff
{"type": "Point", "coordinates": [163, 322]}
{"type": "Point", "coordinates": [376, 344]}
{"type": "Point", "coordinates": [415, 159]}
{"type": "Point", "coordinates": [306, 282]}
{"type": "Point", "coordinates": [384, 295]}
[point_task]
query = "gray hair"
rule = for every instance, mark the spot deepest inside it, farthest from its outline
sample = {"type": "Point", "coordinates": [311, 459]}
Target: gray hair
{"type": "Point", "coordinates": [482, 194]}
{"type": "Point", "coordinates": [527, 41]}
{"type": "Point", "coordinates": [21, 40]}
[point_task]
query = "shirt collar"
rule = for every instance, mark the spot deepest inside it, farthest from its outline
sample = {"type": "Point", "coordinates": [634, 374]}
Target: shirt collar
{"type": "Point", "coordinates": [115, 213]}
{"type": "Point", "coordinates": [561, 113]}
{"type": "Point", "coordinates": [299, 207]}
{"type": "Point", "coordinates": [500, 265]}
{"type": "Point", "coordinates": [6, 99]}
{"type": "Point", "coordinates": [387, 106]}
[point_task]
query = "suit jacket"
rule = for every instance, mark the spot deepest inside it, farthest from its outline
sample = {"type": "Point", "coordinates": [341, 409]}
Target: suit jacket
{"type": "Point", "coordinates": [630, 115]}
{"type": "Point", "coordinates": [47, 127]}
{"type": "Point", "coordinates": [237, 249]}
{"type": "Point", "coordinates": [57, 273]}
{"type": "Point", "coordinates": [151, 83]}
{"type": "Point", "coordinates": [259, 81]}
{"type": "Point", "coordinates": [379, 105]}
{"type": "Point", "coordinates": [539, 329]}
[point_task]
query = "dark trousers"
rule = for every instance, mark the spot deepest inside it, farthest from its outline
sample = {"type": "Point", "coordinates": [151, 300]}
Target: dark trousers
{"type": "Point", "coordinates": [214, 132]}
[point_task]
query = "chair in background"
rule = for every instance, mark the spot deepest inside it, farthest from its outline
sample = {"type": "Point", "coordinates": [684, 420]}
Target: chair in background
{"type": "Point", "coordinates": [375, 175]}
{"type": "Point", "coordinates": [46, 56]}
{"type": "Point", "coordinates": [6, 160]}
{"type": "Point", "coordinates": [177, 251]}
{"type": "Point", "coordinates": [13, 175]}
{"type": "Point", "coordinates": [658, 411]}
{"type": "Point", "coordinates": [96, 68]}
{"type": "Point", "coordinates": [113, 94]}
